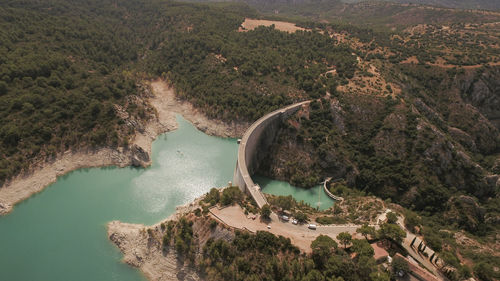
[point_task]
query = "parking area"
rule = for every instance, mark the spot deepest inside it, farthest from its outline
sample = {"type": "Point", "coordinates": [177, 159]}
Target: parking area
{"type": "Point", "coordinates": [300, 235]}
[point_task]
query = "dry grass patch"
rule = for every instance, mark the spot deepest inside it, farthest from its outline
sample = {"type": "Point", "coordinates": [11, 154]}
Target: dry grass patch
{"type": "Point", "coordinates": [251, 24]}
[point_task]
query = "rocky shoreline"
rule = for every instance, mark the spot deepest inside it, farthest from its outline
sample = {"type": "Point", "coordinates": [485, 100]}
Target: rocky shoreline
{"type": "Point", "coordinates": [162, 98]}
{"type": "Point", "coordinates": [142, 248]}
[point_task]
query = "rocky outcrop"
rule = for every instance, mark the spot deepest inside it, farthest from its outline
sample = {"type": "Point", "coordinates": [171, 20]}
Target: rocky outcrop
{"type": "Point", "coordinates": [139, 157]}
{"type": "Point", "coordinates": [143, 247]}
{"type": "Point", "coordinates": [4, 208]}
{"type": "Point", "coordinates": [482, 89]}
{"type": "Point", "coordinates": [420, 149]}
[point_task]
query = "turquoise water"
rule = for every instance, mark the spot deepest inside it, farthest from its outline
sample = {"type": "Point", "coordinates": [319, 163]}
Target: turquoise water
{"type": "Point", "coordinates": [60, 233]}
{"type": "Point", "coordinates": [315, 196]}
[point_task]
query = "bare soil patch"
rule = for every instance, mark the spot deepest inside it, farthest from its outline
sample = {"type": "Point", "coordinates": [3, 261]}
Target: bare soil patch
{"type": "Point", "coordinates": [251, 24]}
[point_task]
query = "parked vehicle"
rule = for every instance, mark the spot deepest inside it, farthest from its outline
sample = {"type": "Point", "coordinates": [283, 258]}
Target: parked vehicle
{"type": "Point", "coordinates": [312, 226]}
{"type": "Point", "coordinates": [285, 218]}
{"type": "Point", "coordinates": [294, 221]}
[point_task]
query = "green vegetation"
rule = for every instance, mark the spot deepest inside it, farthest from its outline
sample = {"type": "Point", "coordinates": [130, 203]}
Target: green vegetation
{"type": "Point", "coordinates": [265, 211]}
{"type": "Point", "coordinates": [412, 220]}
{"type": "Point", "coordinates": [366, 231]}
{"type": "Point", "coordinates": [286, 203]}
{"type": "Point", "coordinates": [301, 217]}
{"type": "Point", "coordinates": [425, 136]}
{"type": "Point", "coordinates": [392, 217]}
{"type": "Point", "coordinates": [322, 248]}
{"type": "Point", "coordinates": [399, 267]}
{"type": "Point", "coordinates": [212, 197]}
{"type": "Point", "coordinates": [263, 256]}
{"type": "Point", "coordinates": [379, 14]}
{"type": "Point", "coordinates": [61, 77]}
{"type": "Point", "coordinates": [362, 248]}
{"type": "Point", "coordinates": [330, 220]}
{"type": "Point", "coordinates": [182, 233]}
{"type": "Point", "coordinates": [212, 58]}
{"type": "Point", "coordinates": [230, 195]}
{"type": "Point", "coordinates": [345, 238]}
{"type": "Point", "coordinates": [67, 71]}
{"type": "Point", "coordinates": [392, 232]}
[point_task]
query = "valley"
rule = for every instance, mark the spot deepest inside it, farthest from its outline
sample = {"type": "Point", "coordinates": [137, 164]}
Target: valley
{"type": "Point", "coordinates": [402, 113]}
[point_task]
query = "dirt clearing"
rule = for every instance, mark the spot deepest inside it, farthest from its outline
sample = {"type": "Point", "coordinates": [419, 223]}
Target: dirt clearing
{"type": "Point", "coordinates": [251, 24]}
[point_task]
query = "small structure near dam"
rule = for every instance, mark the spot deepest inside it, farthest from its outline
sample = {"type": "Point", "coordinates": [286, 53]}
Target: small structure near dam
{"type": "Point", "coordinates": [254, 144]}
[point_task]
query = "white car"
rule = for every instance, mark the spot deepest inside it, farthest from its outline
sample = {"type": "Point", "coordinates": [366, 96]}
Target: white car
{"type": "Point", "coordinates": [294, 221]}
{"type": "Point", "coordinates": [285, 218]}
{"type": "Point", "coordinates": [268, 227]}
{"type": "Point", "coordinates": [312, 226]}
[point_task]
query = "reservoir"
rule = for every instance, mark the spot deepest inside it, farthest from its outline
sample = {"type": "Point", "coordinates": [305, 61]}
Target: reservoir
{"type": "Point", "coordinates": [60, 233]}
{"type": "Point", "coordinates": [314, 196]}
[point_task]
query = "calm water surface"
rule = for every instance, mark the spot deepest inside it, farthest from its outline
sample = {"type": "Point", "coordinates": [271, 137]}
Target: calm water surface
{"type": "Point", "coordinates": [60, 233]}
{"type": "Point", "coordinates": [315, 196]}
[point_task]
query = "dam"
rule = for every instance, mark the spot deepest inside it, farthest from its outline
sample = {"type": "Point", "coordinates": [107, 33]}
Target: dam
{"type": "Point", "coordinates": [252, 146]}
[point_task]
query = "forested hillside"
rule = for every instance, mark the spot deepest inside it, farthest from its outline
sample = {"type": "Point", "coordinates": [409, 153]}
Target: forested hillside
{"type": "Point", "coordinates": [66, 68]}
{"type": "Point", "coordinates": [62, 72]}
{"type": "Point", "coordinates": [461, 4]}
{"type": "Point", "coordinates": [406, 110]}
{"type": "Point", "coordinates": [381, 15]}
{"type": "Point", "coordinates": [242, 76]}
{"type": "Point", "coordinates": [416, 125]}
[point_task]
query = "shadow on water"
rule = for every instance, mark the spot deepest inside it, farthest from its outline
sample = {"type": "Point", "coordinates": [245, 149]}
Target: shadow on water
{"type": "Point", "coordinates": [314, 196]}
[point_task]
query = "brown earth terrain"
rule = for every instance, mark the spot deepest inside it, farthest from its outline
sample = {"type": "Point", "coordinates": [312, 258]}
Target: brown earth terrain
{"type": "Point", "coordinates": [251, 24]}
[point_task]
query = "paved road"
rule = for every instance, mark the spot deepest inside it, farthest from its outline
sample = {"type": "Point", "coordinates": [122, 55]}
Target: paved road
{"type": "Point", "coordinates": [249, 142]}
{"type": "Point", "coordinates": [300, 235]}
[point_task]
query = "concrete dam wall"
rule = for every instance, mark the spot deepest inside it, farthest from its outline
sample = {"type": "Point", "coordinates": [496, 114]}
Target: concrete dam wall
{"type": "Point", "coordinates": [253, 146]}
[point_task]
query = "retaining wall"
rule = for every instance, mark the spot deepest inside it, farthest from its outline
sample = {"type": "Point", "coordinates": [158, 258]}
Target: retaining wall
{"type": "Point", "coordinates": [254, 144]}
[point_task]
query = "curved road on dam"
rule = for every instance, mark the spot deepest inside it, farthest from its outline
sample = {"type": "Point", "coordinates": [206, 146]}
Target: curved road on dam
{"type": "Point", "coordinates": [261, 131]}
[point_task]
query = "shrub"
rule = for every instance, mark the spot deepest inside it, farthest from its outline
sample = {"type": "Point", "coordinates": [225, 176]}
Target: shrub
{"type": "Point", "coordinates": [344, 238]}
{"type": "Point", "coordinates": [265, 211]}
{"type": "Point", "coordinates": [231, 195]}
{"type": "Point", "coordinates": [412, 220]}
{"type": "Point", "coordinates": [301, 217]}
{"type": "Point", "coordinates": [330, 220]}
{"type": "Point", "coordinates": [392, 217]}
{"type": "Point", "coordinates": [213, 224]}
{"type": "Point", "coordinates": [399, 265]}
{"type": "Point", "coordinates": [212, 197]}
{"type": "Point", "coordinates": [197, 212]}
